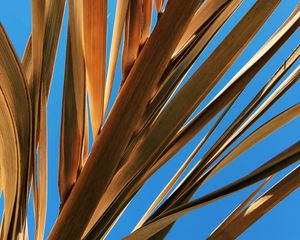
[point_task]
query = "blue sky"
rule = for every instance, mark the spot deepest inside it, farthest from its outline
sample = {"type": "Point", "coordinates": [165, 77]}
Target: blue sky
{"type": "Point", "coordinates": [280, 223]}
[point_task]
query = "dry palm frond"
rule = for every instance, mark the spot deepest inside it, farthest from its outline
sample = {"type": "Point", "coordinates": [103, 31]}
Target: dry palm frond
{"type": "Point", "coordinates": [155, 114]}
{"type": "Point", "coordinates": [16, 139]}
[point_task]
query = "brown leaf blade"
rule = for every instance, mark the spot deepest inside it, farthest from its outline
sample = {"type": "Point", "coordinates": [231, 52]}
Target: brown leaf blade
{"type": "Point", "coordinates": [95, 28]}
{"type": "Point", "coordinates": [73, 118]}
{"type": "Point", "coordinates": [15, 138]}
{"type": "Point", "coordinates": [132, 36]}
{"type": "Point", "coordinates": [121, 10]}
{"type": "Point", "coordinates": [240, 208]}
{"type": "Point", "coordinates": [9, 169]}
{"type": "Point", "coordinates": [261, 206]}
{"type": "Point", "coordinates": [147, 20]}
{"type": "Point", "coordinates": [42, 172]}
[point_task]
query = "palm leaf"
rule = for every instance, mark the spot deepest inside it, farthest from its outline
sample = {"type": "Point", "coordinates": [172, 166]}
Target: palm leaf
{"type": "Point", "coordinates": [173, 96]}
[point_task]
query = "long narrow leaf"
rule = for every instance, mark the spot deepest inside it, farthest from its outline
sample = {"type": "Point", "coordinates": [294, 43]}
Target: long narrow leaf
{"type": "Point", "coordinates": [261, 206]}
{"type": "Point", "coordinates": [73, 112]}
{"type": "Point", "coordinates": [121, 9]}
{"type": "Point", "coordinates": [95, 28]}
{"type": "Point", "coordinates": [15, 137]}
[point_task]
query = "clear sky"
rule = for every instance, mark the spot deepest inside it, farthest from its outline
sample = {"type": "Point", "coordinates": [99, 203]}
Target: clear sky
{"type": "Point", "coordinates": [281, 223]}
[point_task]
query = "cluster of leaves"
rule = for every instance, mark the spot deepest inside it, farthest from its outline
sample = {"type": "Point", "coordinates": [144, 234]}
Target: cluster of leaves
{"type": "Point", "coordinates": [150, 119]}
